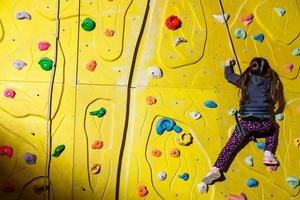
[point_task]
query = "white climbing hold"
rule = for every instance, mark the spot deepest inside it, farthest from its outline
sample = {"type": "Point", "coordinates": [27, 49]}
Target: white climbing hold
{"type": "Point", "coordinates": [179, 40]}
{"type": "Point", "coordinates": [19, 64]}
{"type": "Point", "coordinates": [202, 187]}
{"type": "Point", "coordinates": [296, 52]}
{"type": "Point", "coordinates": [162, 175]}
{"type": "Point", "coordinates": [195, 115]}
{"type": "Point", "coordinates": [279, 11]}
{"type": "Point", "coordinates": [293, 181]}
{"type": "Point", "coordinates": [154, 72]}
{"type": "Point", "coordinates": [249, 161]}
{"type": "Point", "coordinates": [221, 18]}
{"type": "Point", "coordinates": [23, 15]}
{"type": "Point", "coordinates": [232, 111]}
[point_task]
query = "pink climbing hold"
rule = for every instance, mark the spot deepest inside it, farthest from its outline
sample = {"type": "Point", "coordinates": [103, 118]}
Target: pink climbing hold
{"type": "Point", "coordinates": [44, 45]}
{"type": "Point", "coordinates": [10, 93]}
{"type": "Point", "coordinates": [8, 186]}
{"type": "Point", "coordinates": [298, 109]}
{"type": "Point", "coordinates": [242, 196]}
{"type": "Point", "coordinates": [6, 150]}
{"type": "Point", "coordinates": [289, 67]}
{"type": "Point", "coordinates": [272, 168]}
{"type": "Point", "coordinates": [246, 20]}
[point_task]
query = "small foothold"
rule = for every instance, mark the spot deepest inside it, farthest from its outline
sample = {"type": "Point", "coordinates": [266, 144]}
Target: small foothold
{"type": "Point", "coordinates": [164, 124]}
{"type": "Point", "coordinates": [195, 115]}
{"type": "Point", "coordinates": [19, 64]}
{"type": "Point", "coordinates": [279, 117]}
{"type": "Point", "coordinates": [279, 11]}
{"type": "Point", "coordinates": [232, 111]}
{"type": "Point", "coordinates": [242, 196]}
{"type": "Point", "coordinates": [272, 168]}
{"type": "Point", "coordinates": [109, 32]}
{"type": "Point", "coordinates": [173, 22]}
{"type": "Point", "coordinates": [202, 187]}
{"type": "Point", "coordinates": [293, 181]}
{"type": "Point", "coordinates": [162, 175]}
{"type": "Point", "coordinates": [154, 72]}
{"type": "Point", "coordinates": [99, 113]}
{"type": "Point", "coordinates": [95, 169]}
{"type": "Point", "coordinates": [8, 186]}
{"type": "Point", "coordinates": [40, 188]}
{"type": "Point", "coordinates": [258, 37]}
{"type": "Point", "coordinates": [23, 15]}
{"type": "Point", "coordinates": [98, 144]}
{"type": "Point", "coordinates": [29, 158]}
{"type": "Point", "coordinates": [46, 63]}
{"type": "Point", "coordinates": [221, 18]}
{"type": "Point", "coordinates": [156, 152]}
{"type": "Point", "coordinates": [240, 33]}
{"type": "Point", "coordinates": [58, 150]}
{"type": "Point", "coordinates": [246, 20]}
{"type": "Point", "coordinates": [261, 145]}
{"type": "Point", "coordinates": [184, 139]}
{"type": "Point", "coordinates": [297, 142]}
{"type": "Point", "coordinates": [296, 52]}
{"type": "Point", "coordinates": [289, 67]}
{"type": "Point", "coordinates": [252, 182]}
{"type": "Point", "coordinates": [6, 150]}
{"type": "Point", "coordinates": [43, 45]}
{"type": "Point", "coordinates": [88, 24]}
{"type": "Point", "coordinates": [184, 176]}
{"type": "Point", "coordinates": [179, 40]}
{"type": "Point", "coordinates": [210, 104]}
{"type": "Point", "coordinates": [249, 161]}
{"type": "Point", "coordinates": [151, 100]}
{"type": "Point", "coordinates": [177, 129]}
{"type": "Point", "coordinates": [175, 153]}
{"type": "Point", "coordinates": [142, 191]}
{"type": "Point", "coordinates": [9, 93]}
{"type": "Point", "coordinates": [91, 66]}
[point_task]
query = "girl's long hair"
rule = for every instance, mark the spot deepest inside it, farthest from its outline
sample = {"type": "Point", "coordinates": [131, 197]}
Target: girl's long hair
{"type": "Point", "coordinates": [260, 67]}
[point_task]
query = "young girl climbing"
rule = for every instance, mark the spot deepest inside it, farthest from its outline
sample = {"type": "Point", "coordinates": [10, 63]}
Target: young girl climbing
{"type": "Point", "coordinates": [261, 98]}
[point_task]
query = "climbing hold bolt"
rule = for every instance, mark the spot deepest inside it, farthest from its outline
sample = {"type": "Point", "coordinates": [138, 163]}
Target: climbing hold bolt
{"type": "Point", "coordinates": [249, 161]}
{"type": "Point", "coordinates": [296, 52]}
{"type": "Point", "coordinates": [58, 150]}
{"type": "Point", "coordinates": [210, 104]}
{"type": "Point", "coordinates": [109, 32]}
{"type": "Point", "coordinates": [99, 113]}
{"type": "Point", "coordinates": [246, 20]}
{"type": "Point", "coordinates": [195, 115]}
{"type": "Point", "coordinates": [184, 176]}
{"type": "Point", "coordinates": [43, 45]}
{"type": "Point", "coordinates": [29, 158]}
{"type": "Point", "coordinates": [221, 18]}
{"type": "Point", "coordinates": [293, 181]}
{"type": "Point", "coordinates": [289, 67]}
{"type": "Point", "coordinates": [279, 117]}
{"type": "Point", "coordinates": [173, 22]}
{"type": "Point", "coordinates": [179, 40]}
{"type": "Point", "coordinates": [174, 152]}
{"type": "Point", "coordinates": [151, 100]}
{"type": "Point", "coordinates": [252, 182]}
{"type": "Point", "coordinates": [98, 144]}
{"type": "Point", "coordinates": [8, 186]}
{"type": "Point", "coordinates": [279, 11]}
{"type": "Point", "coordinates": [46, 63]}
{"type": "Point", "coordinates": [156, 152]}
{"type": "Point", "coordinates": [95, 169]}
{"type": "Point", "coordinates": [242, 196]}
{"type": "Point", "coordinates": [6, 150]}
{"type": "Point", "coordinates": [162, 175]}
{"type": "Point", "coordinates": [232, 111]}
{"type": "Point", "coordinates": [91, 66]}
{"type": "Point", "coordinates": [154, 72]}
{"type": "Point", "coordinates": [258, 37]}
{"type": "Point", "coordinates": [19, 64]}
{"type": "Point", "coordinates": [9, 93]}
{"type": "Point", "coordinates": [240, 33]}
{"type": "Point", "coordinates": [184, 138]}
{"type": "Point", "coordinates": [23, 15]}
{"type": "Point", "coordinates": [297, 142]}
{"type": "Point", "coordinates": [261, 145]}
{"type": "Point", "coordinates": [88, 24]}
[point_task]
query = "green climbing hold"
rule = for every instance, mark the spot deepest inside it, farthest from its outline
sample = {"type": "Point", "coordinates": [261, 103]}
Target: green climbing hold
{"type": "Point", "coordinates": [88, 24]}
{"type": "Point", "coordinates": [99, 113]}
{"type": "Point", "coordinates": [46, 63]}
{"type": "Point", "coordinates": [58, 150]}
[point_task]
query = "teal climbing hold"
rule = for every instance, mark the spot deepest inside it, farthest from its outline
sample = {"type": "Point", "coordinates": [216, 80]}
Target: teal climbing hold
{"type": "Point", "coordinates": [184, 176]}
{"type": "Point", "coordinates": [261, 145]}
{"type": "Point", "coordinates": [296, 52]}
{"type": "Point", "coordinates": [58, 150]}
{"type": "Point", "coordinates": [293, 181]}
{"type": "Point", "coordinates": [258, 37]}
{"type": "Point", "coordinates": [210, 104]}
{"type": "Point", "coordinates": [249, 161]}
{"type": "Point", "coordinates": [240, 33]}
{"type": "Point", "coordinates": [252, 182]}
{"type": "Point", "coordinates": [46, 63]}
{"type": "Point", "coordinates": [279, 11]}
{"type": "Point", "coordinates": [88, 24]}
{"type": "Point", "coordinates": [177, 129]}
{"type": "Point", "coordinates": [167, 124]}
{"type": "Point", "coordinates": [279, 117]}
{"type": "Point", "coordinates": [99, 113]}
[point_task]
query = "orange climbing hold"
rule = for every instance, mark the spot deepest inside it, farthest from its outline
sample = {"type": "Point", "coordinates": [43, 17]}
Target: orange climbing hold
{"type": "Point", "coordinates": [98, 144]}
{"type": "Point", "coordinates": [142, 191]}
{"type": "Point", "coordinates": [156, 152]}
{"type": "Point", "coordinates": [109, 32]}
{"type": "Point", "coordinates": [151, 100]}
{"type": "Point", "coordinates": [174, 153]}
{"type": "Point", "coordinates": [297, 142]}
{"type": "Point", "coordinates": [246, 20]}
{"type": "Point", "coordinates": [91, 66]}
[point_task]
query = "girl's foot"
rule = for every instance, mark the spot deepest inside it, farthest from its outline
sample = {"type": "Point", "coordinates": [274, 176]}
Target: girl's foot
{"type": "Point", "coordinates": [269, 158]}
{"type": "Point", "coordinates": [213, 175]}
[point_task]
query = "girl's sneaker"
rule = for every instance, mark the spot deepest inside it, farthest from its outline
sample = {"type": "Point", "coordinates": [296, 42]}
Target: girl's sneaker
{"type": "Point", "coordinates": [269, 159]}
{"type": "Point", "coordinates": [213, 175]}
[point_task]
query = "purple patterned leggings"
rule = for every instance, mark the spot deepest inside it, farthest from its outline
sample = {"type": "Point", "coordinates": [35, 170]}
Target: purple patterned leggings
{"type": "Point", "coordinates": [237, 141]}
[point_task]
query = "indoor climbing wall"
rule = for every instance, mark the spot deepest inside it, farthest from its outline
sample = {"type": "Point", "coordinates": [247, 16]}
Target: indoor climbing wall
{"type": "Point", "coordinates": [126, 99]}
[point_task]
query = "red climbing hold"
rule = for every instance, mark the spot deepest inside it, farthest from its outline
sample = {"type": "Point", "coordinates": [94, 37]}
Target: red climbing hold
{"type": "Point", "coordinates": [6, 150]}
{"type": "Point", "coordinates": [44, 45]}
{"type": "Point", "coordinates": [10, 93]}
{"type": "Point", "coordinates": [173, 22]}
{"type": "Point", "coordinates": [8, 186]}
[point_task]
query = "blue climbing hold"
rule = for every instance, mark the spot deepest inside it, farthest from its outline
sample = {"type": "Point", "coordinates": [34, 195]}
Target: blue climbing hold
{"type": "Point", "coordinates": [184, 176]}
{"type": "Point", "coordinates": [240, 33]}
{"type": "Point", "coordinates": [296, 52]}
{"type": "Point", "coordinates": [258, 37]}
{"type": "Point", "coordinates": [177, 129]}
{"type": "Point", "coordinates": [252, 182]}
{"type": "Point", "coordinates": [279, 117]}
{"type": "Point", "coordinates": [261, 145]}
{"type": "Point", "coordinates": [164, 124]}
{"type": "Point", "coordinates": [279, 11]}
{"type": "Point", "coordinates": [293, 181]}
{"type": "Point", "coordinates": [210, 104]}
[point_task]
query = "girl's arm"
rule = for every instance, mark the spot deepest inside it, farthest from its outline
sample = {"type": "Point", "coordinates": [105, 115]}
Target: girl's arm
{"type": "Point", "coordinates": [229, 73]}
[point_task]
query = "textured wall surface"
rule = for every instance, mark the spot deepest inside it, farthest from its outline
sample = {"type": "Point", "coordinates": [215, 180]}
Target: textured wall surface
{"type": "Point", "coordinates": [110, 155]}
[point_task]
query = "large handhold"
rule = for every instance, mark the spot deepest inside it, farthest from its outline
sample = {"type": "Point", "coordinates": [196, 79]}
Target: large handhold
{"type": "Point", "coordinates": [166, 124]}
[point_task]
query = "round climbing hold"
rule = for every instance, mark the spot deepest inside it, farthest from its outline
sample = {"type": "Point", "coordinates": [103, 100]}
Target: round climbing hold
{"type": "Point", "coordinates": [95, 169]}
{"type": "Point", "coordinates": [58, 150]}
{"type": "Point", "coordinates": [297, 142]}
{"type": "Point", "coordinates": [184, 139]}
{"type": "Point", "coordinates": [174, 153]}
{"type": "Point", "coordinates": [9, 93]}
{"type": "Point", "coordinates": [23, 15]}
{"type": "Point", "coordinates": [8, 186]}
{"type": "Point", "coordinates": [142, 191]}
{"type": "Point", "coordinates": [252, 182]}
{"type": "Point", "coordinates": [261, 145]}
{"type": "Point", "coordinates": [91, 66]}
{"type": "Point", "coordinates": [296, 52]}
{"type": "Point", "coordinates": [162, 175]}
{"type": "Point", "coordinates": [29, 158]}
{"type": "Point", "coordinates": [195, 115]}
{"type": "Point", "coordinates": [279, 117]}
{"type": "Point", "coordinates": [210, 104]}
{"type": "Point", "coordinates": [97, 144]}
{"type": "Point", "coordinates": [164, 124]}
{"type": "Point", "coordinates": [289, 67]}
{"type": "Point", "coordinates": [240, 33]}
{"type": "Point", "coordinates": [258, 37]}
{"type": "Point", "coordinates": [293, 181]}
{"type": "Point", "coordinates": [154, 72]}
{"type": "Point", "coordinates": [156, 152]}
{"type": "Point", "coordinates": [173, 22]}
{"type": "Point", "coordinates": [46, 63]}
{"type": "Point", "coordinates": [6, 150]}
{"type": "Point", "coordinates": [19, 64]}
{"type": "Point", "coordinates": [249, 161]}
{"type": "Point", "coordinates": [43, 45]}
{"type": "Point", "coordinates": [151, 100]}
{"type": "Point", "coordinates": [184, 176]}
{"type": "Point", "coordinates": [232, 111]}
{"type": "Point", "coordinates": [88, 24]}
{"type": "Point", "coordinates": [109, 32]}
{"type": "Point", "coordinates": [246, 20]}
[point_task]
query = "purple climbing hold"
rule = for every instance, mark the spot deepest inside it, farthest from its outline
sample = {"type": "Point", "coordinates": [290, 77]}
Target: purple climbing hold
{"type": "Point", "coordinates": [23, 15]}
{"type": "Point", "coordinates": [29, 158]}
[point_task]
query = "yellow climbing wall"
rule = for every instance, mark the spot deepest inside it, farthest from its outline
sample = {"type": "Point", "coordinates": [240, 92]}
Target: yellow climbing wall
{"type": "Point", "coordinates": [131, 44]}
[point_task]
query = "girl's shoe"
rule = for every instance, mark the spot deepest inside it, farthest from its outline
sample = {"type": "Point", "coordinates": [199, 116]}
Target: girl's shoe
{"type": "Point", "coordinates": [213, 175]}
{"type": "Point", "coordinates": [269, 159]}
